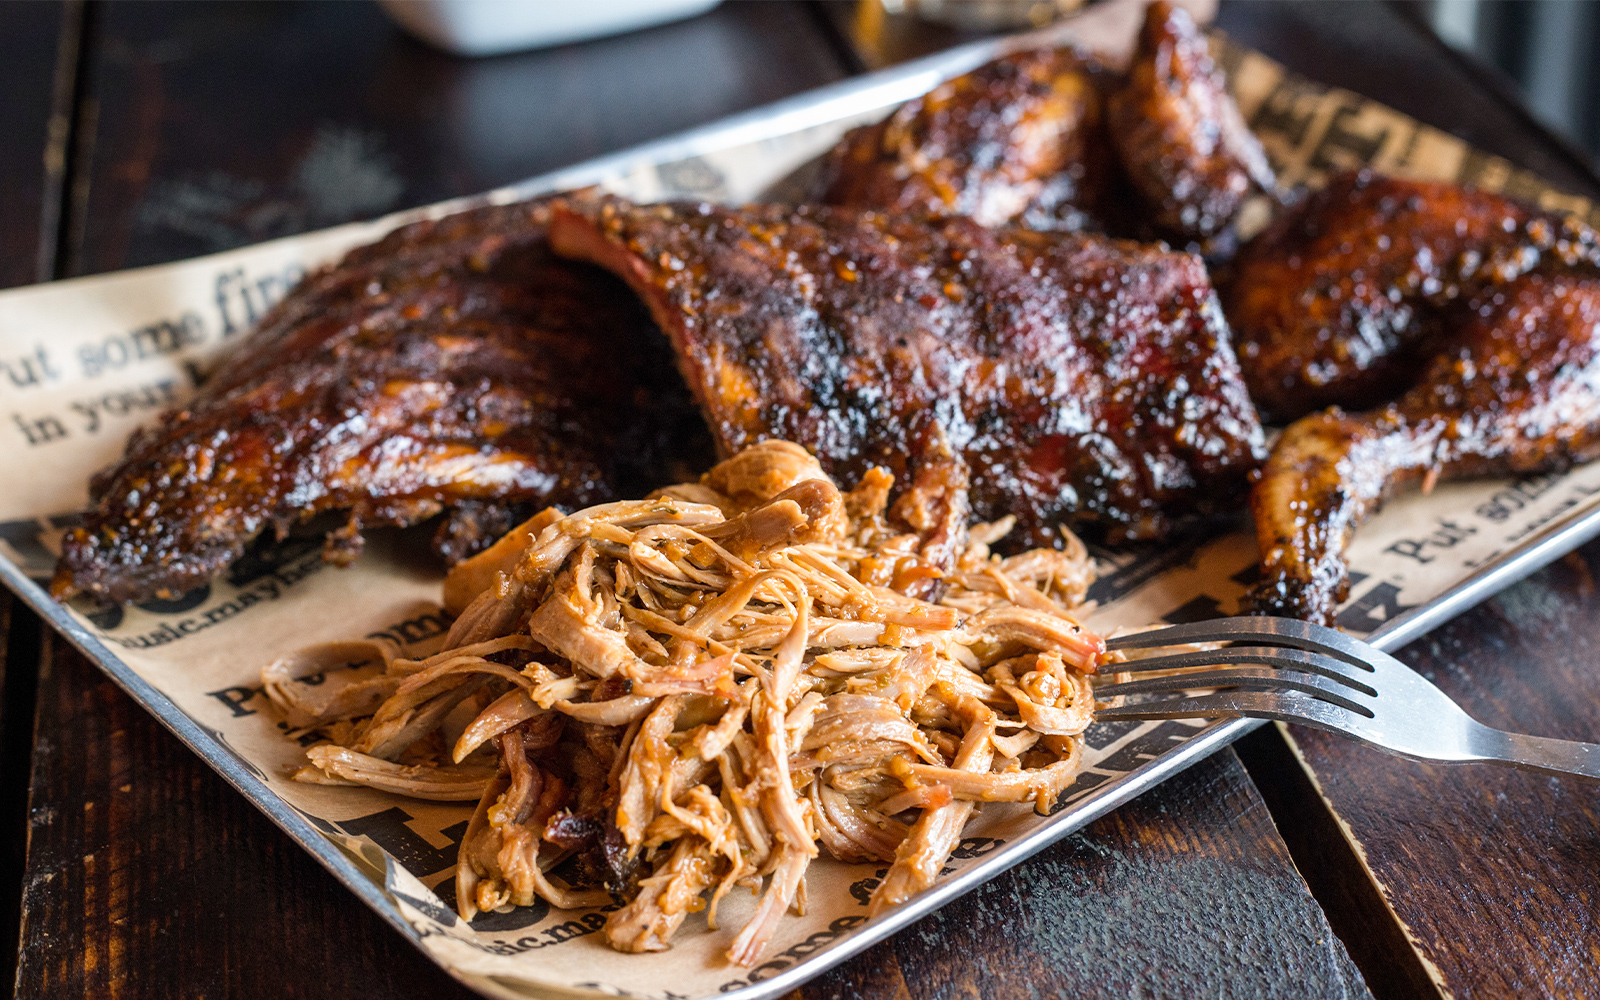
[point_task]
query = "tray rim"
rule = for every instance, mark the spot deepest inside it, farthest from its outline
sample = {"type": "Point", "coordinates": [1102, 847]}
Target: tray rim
{"type": "Point", "coordinates": [820, 106]}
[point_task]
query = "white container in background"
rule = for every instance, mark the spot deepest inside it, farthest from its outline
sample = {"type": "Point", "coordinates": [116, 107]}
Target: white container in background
{"type": "Point", "coordinates": [490, 27]}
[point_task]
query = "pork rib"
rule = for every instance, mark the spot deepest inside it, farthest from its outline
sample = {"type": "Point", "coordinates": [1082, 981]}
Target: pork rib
{"type": "Point", "coordinates": [455, 363]}
{"type": "Point", "coordinates": [1080, 378]}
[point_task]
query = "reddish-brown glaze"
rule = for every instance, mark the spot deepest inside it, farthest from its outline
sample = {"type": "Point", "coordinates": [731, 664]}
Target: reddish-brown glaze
{"type": "Point", "coordinates": [1179, 133]}
{"type": "Point", "coordinates": [1020, 139]}
{"type": "Point", "coordinates": [1517, 391]}
{"type": "Point", "coordinates": [1080, 378]}
{"type": "Point", "coordinates": [452, 363]}
{"type": "Point", "coordinates": [1334, 303]}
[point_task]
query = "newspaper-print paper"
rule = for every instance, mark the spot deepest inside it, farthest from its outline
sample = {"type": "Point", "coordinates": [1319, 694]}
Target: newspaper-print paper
{"type": "Point", "coordinates": [83, 362]}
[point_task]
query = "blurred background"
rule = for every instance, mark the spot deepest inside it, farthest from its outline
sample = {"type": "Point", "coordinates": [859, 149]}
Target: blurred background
{"type": "Point", "coordinates": [1548, 50]}
{"type": "Point", "coordinates": [181, 128]}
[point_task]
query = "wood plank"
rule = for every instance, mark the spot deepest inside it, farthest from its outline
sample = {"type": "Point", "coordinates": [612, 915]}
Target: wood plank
{"type": "Point", "coordinates": [20, 633]}
{"type": "Point", "coordinates": [30, 162]}
{"type": "Point", "coordinates": [37, 59]}
{"type": "Point", "coordinates": [1338, 879]}
{"type": "Point", "coordinates": [149, 876]}
{"type": "Point", "coordinates": [1186, 892]}
{"type": "Point", "coordinates": [1492, 871]}
{"type": "Point", "coordinates": [226, 124]}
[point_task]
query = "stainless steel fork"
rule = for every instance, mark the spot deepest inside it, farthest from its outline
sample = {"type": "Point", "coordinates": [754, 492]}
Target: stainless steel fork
{"type": "Point", "coordinates": [1280, 668]}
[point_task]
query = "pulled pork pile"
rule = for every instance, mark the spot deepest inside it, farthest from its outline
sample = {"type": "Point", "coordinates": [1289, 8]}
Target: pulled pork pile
{"type": "Point", "coordinates": [700, 690]}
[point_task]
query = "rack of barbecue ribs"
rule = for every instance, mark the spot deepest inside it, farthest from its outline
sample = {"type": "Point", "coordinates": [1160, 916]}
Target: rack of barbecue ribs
{"type": "Point", "coordinates": [1081, 379]}
{"type": "Point", "coordinates": [1064, 378]}
{"type": "Point", "coordinates": [454, 364]}
{"type": "Point", "coordinates": [458, 365]}
{"type": "Point", "coordinates": [1050, 139]}
{"type": "Point", "coordinates": [1515, 390]}
{"type": "Point", "coordinates": [1344, 297]}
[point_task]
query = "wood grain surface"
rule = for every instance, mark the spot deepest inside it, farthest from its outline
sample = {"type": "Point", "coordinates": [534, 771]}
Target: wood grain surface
{"type": "Point", "coordinates": [32, 153]}
{"type": "Point", "coordinates": [1492, 871]}
{"type": "Point", "coordinates": [149, 876]}
{"type": "Point", "coordinates": [20, 636]}
{"type": "Point", "coordinates": [1186, 892]}
{"type": "Point", "coordinates": [201, 127]}
{"type": "Point", "coordinates": [221, 124]}
{"type": "Point", "coordinates": [34, 118]}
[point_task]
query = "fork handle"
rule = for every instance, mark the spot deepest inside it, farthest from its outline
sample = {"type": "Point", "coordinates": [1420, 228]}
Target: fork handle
{"type": "Point", "coordinates": [1540, 753]}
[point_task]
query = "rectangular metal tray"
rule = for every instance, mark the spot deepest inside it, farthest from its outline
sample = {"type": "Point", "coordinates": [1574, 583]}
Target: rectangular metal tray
{"type": "Point", "coordinates": [1128, 759]}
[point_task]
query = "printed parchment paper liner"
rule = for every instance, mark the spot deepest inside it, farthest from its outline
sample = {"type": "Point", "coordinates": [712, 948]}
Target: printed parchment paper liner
{"type": "Point", "coordinates": [85, 360]}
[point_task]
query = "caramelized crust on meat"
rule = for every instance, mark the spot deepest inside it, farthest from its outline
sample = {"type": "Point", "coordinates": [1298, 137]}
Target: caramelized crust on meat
{"type": "Point", "coordinates": [452, 363]}
{"type": "Point", "coordinates": [1079, 377]}
{"type": "Point", "coordinates": [1020, 139]}
{"type": "Point", "coordinates": [1335, 302]}
{"type": "Point", "coordinates": [1517, 392]}
{"type": "Point", "coordinates": [1179, 133]}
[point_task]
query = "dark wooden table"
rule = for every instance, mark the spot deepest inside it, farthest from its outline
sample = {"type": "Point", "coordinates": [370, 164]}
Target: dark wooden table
{"type": "Point", "coordinates": [1300, 866]}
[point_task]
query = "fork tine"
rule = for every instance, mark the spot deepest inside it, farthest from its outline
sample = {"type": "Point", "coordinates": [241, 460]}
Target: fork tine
{"type": "Point", "coordinates": [1289, 659]}
{"type": "Point", "coordinates": [1240, 678]}
{"type": "Point", "coordinates": [1289, 632]}
{"type": "Point", "coordinates": [1298, 684]}
{"type": "Point", "coordinates": [1286, 706]}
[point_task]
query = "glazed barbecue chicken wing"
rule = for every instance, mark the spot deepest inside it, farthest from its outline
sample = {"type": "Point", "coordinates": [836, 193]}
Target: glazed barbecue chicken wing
{"type": "Point", "coordinates": [1020, 139]}
{"type": "Point", "coordinates": [1050, 140]}
{"type": "Point", "coordinates": [1077, 378]}
{"type": "Point", "coordinates": [456, 363]}
{"type": "Point", "coordinates": [1517, 392]}
{"type": "Point", "coordinates": [1179, 133]}
{"type": "Point", "coordinates": [1339, 301]}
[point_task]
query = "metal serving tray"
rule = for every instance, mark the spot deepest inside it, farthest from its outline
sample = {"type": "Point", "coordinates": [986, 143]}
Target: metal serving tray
{"type": "Point", "coordinates": [164, 655]}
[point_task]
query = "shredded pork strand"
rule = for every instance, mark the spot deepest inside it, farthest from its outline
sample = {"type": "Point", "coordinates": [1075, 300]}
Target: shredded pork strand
{"type": "Point", "coordinates": [705, 689]}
